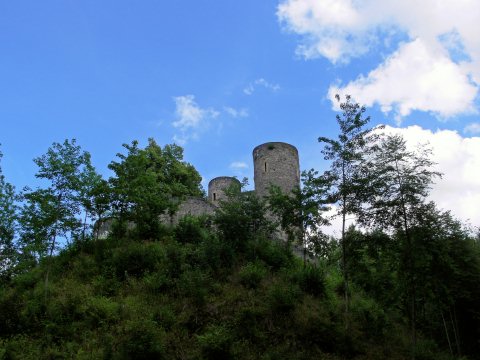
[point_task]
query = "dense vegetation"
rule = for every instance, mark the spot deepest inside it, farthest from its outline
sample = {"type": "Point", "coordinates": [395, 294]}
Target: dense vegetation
{"type": "Point", "coordinates": [403, 284]}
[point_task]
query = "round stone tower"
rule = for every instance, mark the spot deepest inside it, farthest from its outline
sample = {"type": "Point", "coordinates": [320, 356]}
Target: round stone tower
{"type": "Point", "coordinates": [275, 163]}
{"type": "Point", "coordinates": [217, 186]}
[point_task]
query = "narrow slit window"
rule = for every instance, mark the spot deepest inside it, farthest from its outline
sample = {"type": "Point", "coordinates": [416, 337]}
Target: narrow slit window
{"type": "Point", "coordinates": [214, 196]}
{"type": "Point", "coordinates": [265, 166]}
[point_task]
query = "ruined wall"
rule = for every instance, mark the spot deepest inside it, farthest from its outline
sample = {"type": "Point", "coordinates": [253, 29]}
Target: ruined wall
{"type": "Point", "coordinates": [217, 186]}
{"type": "Point", "coordinates": [193, 206]}
{"type": "Point", "coordinates": [274, 163]}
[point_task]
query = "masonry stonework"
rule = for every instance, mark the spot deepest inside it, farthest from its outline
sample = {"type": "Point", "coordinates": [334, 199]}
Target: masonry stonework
{"type": "Point", "coordinates": [217, 187]}
{"type": "Point", "coordinates": [275, 163]}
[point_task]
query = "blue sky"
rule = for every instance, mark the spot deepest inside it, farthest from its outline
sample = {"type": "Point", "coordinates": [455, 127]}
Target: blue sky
{"type": "Point", "coordinates": [220, 77]}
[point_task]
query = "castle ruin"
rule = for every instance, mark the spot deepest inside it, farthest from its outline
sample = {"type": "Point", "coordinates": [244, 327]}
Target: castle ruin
{"type": "Point", "coordinates": [275, 163]}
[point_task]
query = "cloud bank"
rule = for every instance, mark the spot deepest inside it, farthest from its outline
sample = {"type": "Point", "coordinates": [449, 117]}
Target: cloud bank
{"type": "Point", "coordinates": [436, 69]}
{"type": "Point", "coordinates": [458, 158]}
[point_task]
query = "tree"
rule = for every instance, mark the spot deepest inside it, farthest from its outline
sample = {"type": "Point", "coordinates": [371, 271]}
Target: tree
{"type": "Point", "coordinates": [301, 212]}
{"type": "Point", "coordinates": [52, 213]}
{"type": "Point", "coordinates": [151, 182]}
{"type": "Point", "coordinates": [94, 196]}
{"type": "Point", "coordinates": [8, 225]}
{"type": "Point", "coordinates": [242, 217]}
{"type": "Point", "coordinates": [348, 154]}
{"type": "Point", "coordinates": [396, 201]}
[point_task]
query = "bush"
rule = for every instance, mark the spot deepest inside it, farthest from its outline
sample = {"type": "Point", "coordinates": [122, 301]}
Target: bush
{"type": "Point", "coordinates": [217, 255]}
{"type": "Point", "coordinates": [194, 284]}
{"type": "Point", "coordinates": [141, 339]}
{"type": "Point", "coordinates": [248, 323]}
{"type": "Point", "coordinates": [191, 229]}
{"type": "Point", "coordinates": [370, 316]}
{"type": "Point", "coordinates": [101, 310]}
{"type": "Point", "coordinates": [252, 274]}
{"type": "Point", "coordinates": [311, 280]}
{"type": "Point", "coordinates": [215, 343]}
{"type": "Point", "coordinates": [135, 259]}
{"type": "Point", "coordinates": [274, 254]}
{"type": "Point", "coordinates": [282, 298]}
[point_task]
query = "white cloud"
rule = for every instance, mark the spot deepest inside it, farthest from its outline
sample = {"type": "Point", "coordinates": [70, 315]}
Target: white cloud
{"type": "Point", "coordinates": [236, 113]}
{"type": "Point", "coordinates": [189, 114]}
{"type": "Point", "coordinates": [414, 78]}
{"type": "Point", "coordinates": [261, 82]}
{"type": "Point", "coordinates": [473, 128]}
{"type": "Point", "coordinates": [441, 56]}
{"type": "Point", "coordinates": [458, 158]}
{"type": "Point", "coordinates": [190, 118]}
{"type": "Point", "coordinates": [238, 165]}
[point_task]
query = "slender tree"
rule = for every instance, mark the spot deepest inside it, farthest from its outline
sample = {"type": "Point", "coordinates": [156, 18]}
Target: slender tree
{"type": "Point", "coordinates": [8, 225]}
{"type": "Point", "coordinates": [348, 154]}
{"type": "Point", "coordinates": [396, 201]}
{"type": "Point", "coordinates": [53, 213]}
{"type": "Point", "coordinates": [301, 213]}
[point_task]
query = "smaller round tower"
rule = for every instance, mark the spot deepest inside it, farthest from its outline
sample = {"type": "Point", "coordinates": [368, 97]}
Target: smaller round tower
{"type": "Point", "coordinates": [217, 187]}
{"type": "Point", "coordinates": [275, 163]}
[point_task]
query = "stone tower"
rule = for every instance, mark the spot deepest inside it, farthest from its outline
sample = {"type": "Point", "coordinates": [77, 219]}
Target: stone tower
{"type": "Point", "coordinates": [217, 186]}
{"type": "Point", "coordinates": [275, 163]}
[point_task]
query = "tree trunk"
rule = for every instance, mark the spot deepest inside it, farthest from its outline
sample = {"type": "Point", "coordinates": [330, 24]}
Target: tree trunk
{"type": "Point", "coordinates": [446, 333]}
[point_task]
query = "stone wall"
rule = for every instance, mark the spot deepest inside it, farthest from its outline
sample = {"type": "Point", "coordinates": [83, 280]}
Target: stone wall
{"type": "Point", "coordinates": [217, 186]}
{"type": "Point", "coordinates": [193, 206]}
{"type": "Point", "coordinates": [275, 163]}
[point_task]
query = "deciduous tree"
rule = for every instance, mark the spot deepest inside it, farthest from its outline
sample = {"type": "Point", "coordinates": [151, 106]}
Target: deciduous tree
{"type": "Point", "coordinates": [347, 154]}
{"type": "Point", "coordinates": [150, 182]}
{"type": "Point", "coordinates": [8, 224]}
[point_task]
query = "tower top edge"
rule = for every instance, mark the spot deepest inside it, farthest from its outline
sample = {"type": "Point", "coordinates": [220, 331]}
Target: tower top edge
{"type": "Point", "coordinates": [220, 178]}
{"type": "Point", "coordinates": [275, 144]}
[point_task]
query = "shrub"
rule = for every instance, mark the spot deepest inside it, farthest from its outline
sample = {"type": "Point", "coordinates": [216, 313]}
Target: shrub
{"type": "Point", "coordinates": [135, 259]}
{"type": "Point", "coordinates": [157, 282]}
{"type": "Point", "coordinates": [101, 310]}
{"type": "Point", "coordinates": [191, 229]}
{"type": "Point", "coordinates": [311, 280]}
{"type": "Point", "coordinates": [248, 323]}
{"type": "Point", "coordinates": [274, 254]}
{"type": "Point", "coordinates": [141, 339]}
{"type": "Point", "coordinates": [282, 298]}
{"type": "Point", "coordinates": [194, 284]}
{"type": "Point", "coordinates": [217, 255]}
{"type": "Point", "coordinates": [252, 274]}
{"type": "Point", "coordinates": [216, 343]}
{"type": "Point", "coordinates": [370, 316]}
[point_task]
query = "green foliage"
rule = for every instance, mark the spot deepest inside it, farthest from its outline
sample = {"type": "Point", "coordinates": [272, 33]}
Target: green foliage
{"type": "Point", "coordinates": [232, 290]}
{"type": "Point", "coordinates": [311, 279]}
{"type": "Point", "coordinates": [242, 218]}
{"type": "Point", "coordinates": [252, 274]}
{"type": "Point", "coordinates": [274, 254]}
{"type": "Point", "coordinates": [140, 339]}
{"type": "Point", "coordinates": [282, 298]}
{"type": "Point", "coordinates": [8, 226]}
{"type": "Point", "coordinates": [191, 229]}
{"type": "Point", "coordinates": [348, 184]}
{"type": "Point", "coordinates": [135, 259]}
{"type": "Point", "coordinates": [52, 213]}
{"type": "Point", "coordinates": [150, 182]}
{"type": "Point", "coordinates": [215, 343]}
{"type": "Point", "coordinates": [301, 212]}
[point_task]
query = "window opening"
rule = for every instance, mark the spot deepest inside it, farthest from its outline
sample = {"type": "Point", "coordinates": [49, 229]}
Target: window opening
{"type": "Point", "coordinates": [265, 166]}
{"type": "Point", "coordinates": [214, 196]}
